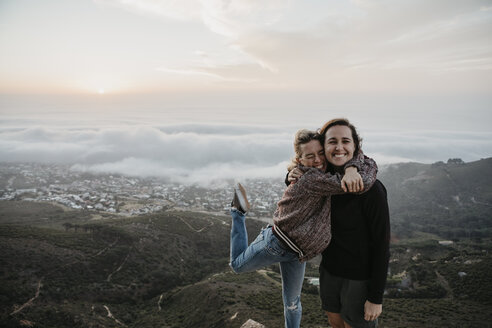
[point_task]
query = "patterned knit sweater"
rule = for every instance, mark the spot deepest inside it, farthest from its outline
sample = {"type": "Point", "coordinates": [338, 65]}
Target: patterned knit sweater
{"type": "Point", "coordinates": [302, 218]}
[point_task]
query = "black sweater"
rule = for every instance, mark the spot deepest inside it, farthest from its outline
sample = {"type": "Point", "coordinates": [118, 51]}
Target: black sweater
{"type": "Point", "coordinates": [359, 248]}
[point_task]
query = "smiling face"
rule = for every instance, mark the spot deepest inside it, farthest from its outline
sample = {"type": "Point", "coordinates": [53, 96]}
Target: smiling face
{"type": "Point", "coordinates": [339, 145]}
{"type": "Point", "coordinates": [312, 155]}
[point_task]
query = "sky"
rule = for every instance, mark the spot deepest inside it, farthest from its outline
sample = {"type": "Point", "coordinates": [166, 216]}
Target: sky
{"type": "Point", "coordinates": [199, 90]}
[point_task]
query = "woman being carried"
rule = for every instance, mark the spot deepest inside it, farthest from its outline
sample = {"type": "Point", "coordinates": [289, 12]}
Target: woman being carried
{"type": "Point", "coordinates": [302, 227]}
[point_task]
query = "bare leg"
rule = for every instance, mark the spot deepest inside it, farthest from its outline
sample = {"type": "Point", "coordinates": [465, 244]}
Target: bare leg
{"type": "Point", "coordinates": [336, 320]}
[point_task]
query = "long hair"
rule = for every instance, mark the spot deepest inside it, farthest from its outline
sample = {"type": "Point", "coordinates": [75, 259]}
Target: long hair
{"type": "Point", "coordinates": [301, 137]}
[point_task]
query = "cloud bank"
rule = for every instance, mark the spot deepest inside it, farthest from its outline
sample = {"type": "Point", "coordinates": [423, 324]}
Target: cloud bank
{"type": "Point", "coordinates": [206, 153]}
{"type": "Point", "coordinates": [189, 154]}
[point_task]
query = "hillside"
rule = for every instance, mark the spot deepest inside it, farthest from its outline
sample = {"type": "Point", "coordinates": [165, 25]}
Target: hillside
{"type": "Point", "coordinates": [61, 267]}
{"type": "Point", "coordinates": [170, 270]}
{"type": "Point", "coordinates": [120, 263]}
{"type": "Point", "coordinates": [450, 200]}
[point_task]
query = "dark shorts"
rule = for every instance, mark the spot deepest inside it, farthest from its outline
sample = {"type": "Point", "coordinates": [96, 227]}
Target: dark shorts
{"type": "Point", "coordinates": [344, 296]}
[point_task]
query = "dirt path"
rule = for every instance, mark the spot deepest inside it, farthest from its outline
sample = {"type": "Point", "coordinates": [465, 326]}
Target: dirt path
{"type": "Point", "coordinates": [29, 303]}
{"type": "Point", "coordinates": [159, 302]}
{"type": "Point", "coordinates": [120, 267]}
{"type": "Point", "coordinates": [110, 315]}
{"type": "Point", "coordinates": [267, 277]}
{"type": "Point", "coordinates": [474, 201]}
{"type": "Point", "coordinates": [36, 295]}
{"type": "Point", "coordinates": [444, 283]}
{"type": "Point", "coordinates": [191, 227]}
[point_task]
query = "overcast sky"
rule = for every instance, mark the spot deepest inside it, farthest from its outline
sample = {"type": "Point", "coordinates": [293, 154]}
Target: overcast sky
{"type": "Point", "coordinates": [183, 87]}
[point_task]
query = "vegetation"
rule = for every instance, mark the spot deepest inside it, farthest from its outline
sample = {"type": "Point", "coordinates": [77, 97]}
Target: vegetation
{"type": "Point", "coordinates": [451, 200]}
{"type": "Point", "coordinates": [61, 268]}
{"type": "Point", "coordinates": [83, 265]}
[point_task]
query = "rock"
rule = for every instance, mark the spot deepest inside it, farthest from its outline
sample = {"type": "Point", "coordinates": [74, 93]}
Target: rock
{"type": "Point", "coordinates": [252, 324]}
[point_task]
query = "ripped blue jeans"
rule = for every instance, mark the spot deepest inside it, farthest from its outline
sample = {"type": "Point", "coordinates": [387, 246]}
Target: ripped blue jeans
{"type": "Point", "coordinates": [265, 250]}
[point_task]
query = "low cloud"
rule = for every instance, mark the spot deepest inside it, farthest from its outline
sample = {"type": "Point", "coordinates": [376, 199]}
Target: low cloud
{"type": "Point", "coordinates": [189, 154]}
{"type": "Point", "coordinates": [209, 175]}
{"type": "Point", "coordinates": [206, 154]}
{"type": "Point", "coordinates": [427, 146]}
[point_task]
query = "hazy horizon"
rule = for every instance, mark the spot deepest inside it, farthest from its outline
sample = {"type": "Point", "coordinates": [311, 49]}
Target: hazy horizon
{"type": "Point", "coordinates": [204, 89]}
{"type": "Point", "coordinates": [159, 143]}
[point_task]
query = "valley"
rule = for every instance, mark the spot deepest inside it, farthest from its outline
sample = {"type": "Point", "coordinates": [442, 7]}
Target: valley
{"type": "Point", "coordinates": [61, 267]}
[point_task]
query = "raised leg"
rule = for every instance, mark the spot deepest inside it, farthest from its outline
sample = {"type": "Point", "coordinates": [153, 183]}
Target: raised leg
{"type": "Point", "coordinates": [239, 235]}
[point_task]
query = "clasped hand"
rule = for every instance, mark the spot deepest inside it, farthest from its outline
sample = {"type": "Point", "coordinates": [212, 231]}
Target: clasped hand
{"type": "Point", "coordinates": [351, 181]}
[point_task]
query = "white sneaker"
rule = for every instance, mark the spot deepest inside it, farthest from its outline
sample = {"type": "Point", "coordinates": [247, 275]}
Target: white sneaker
{"type": "Point", "coordinates": [240, 200]}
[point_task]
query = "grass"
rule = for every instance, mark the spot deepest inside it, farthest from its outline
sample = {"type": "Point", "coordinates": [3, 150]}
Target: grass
{"type": "Point", "coordinates": [160, 254]}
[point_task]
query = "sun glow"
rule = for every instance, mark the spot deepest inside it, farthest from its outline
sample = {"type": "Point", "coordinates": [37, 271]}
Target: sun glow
{"type": "Point", "coordinates": [101, 91]}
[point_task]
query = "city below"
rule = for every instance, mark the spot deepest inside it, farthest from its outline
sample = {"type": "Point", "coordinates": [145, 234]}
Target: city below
{"type": "Point", "coordinates": [126, 196]}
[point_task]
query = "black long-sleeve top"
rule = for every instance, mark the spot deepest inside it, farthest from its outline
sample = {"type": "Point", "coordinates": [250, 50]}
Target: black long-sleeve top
{"type": "Point", "coordinates": [359, 248]}
{"type": "Point", "coordinates": [302, 218]}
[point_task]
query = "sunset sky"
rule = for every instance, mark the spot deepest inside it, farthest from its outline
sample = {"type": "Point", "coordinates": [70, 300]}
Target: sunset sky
{"type": "Point", "coordinates": [414, 75]}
